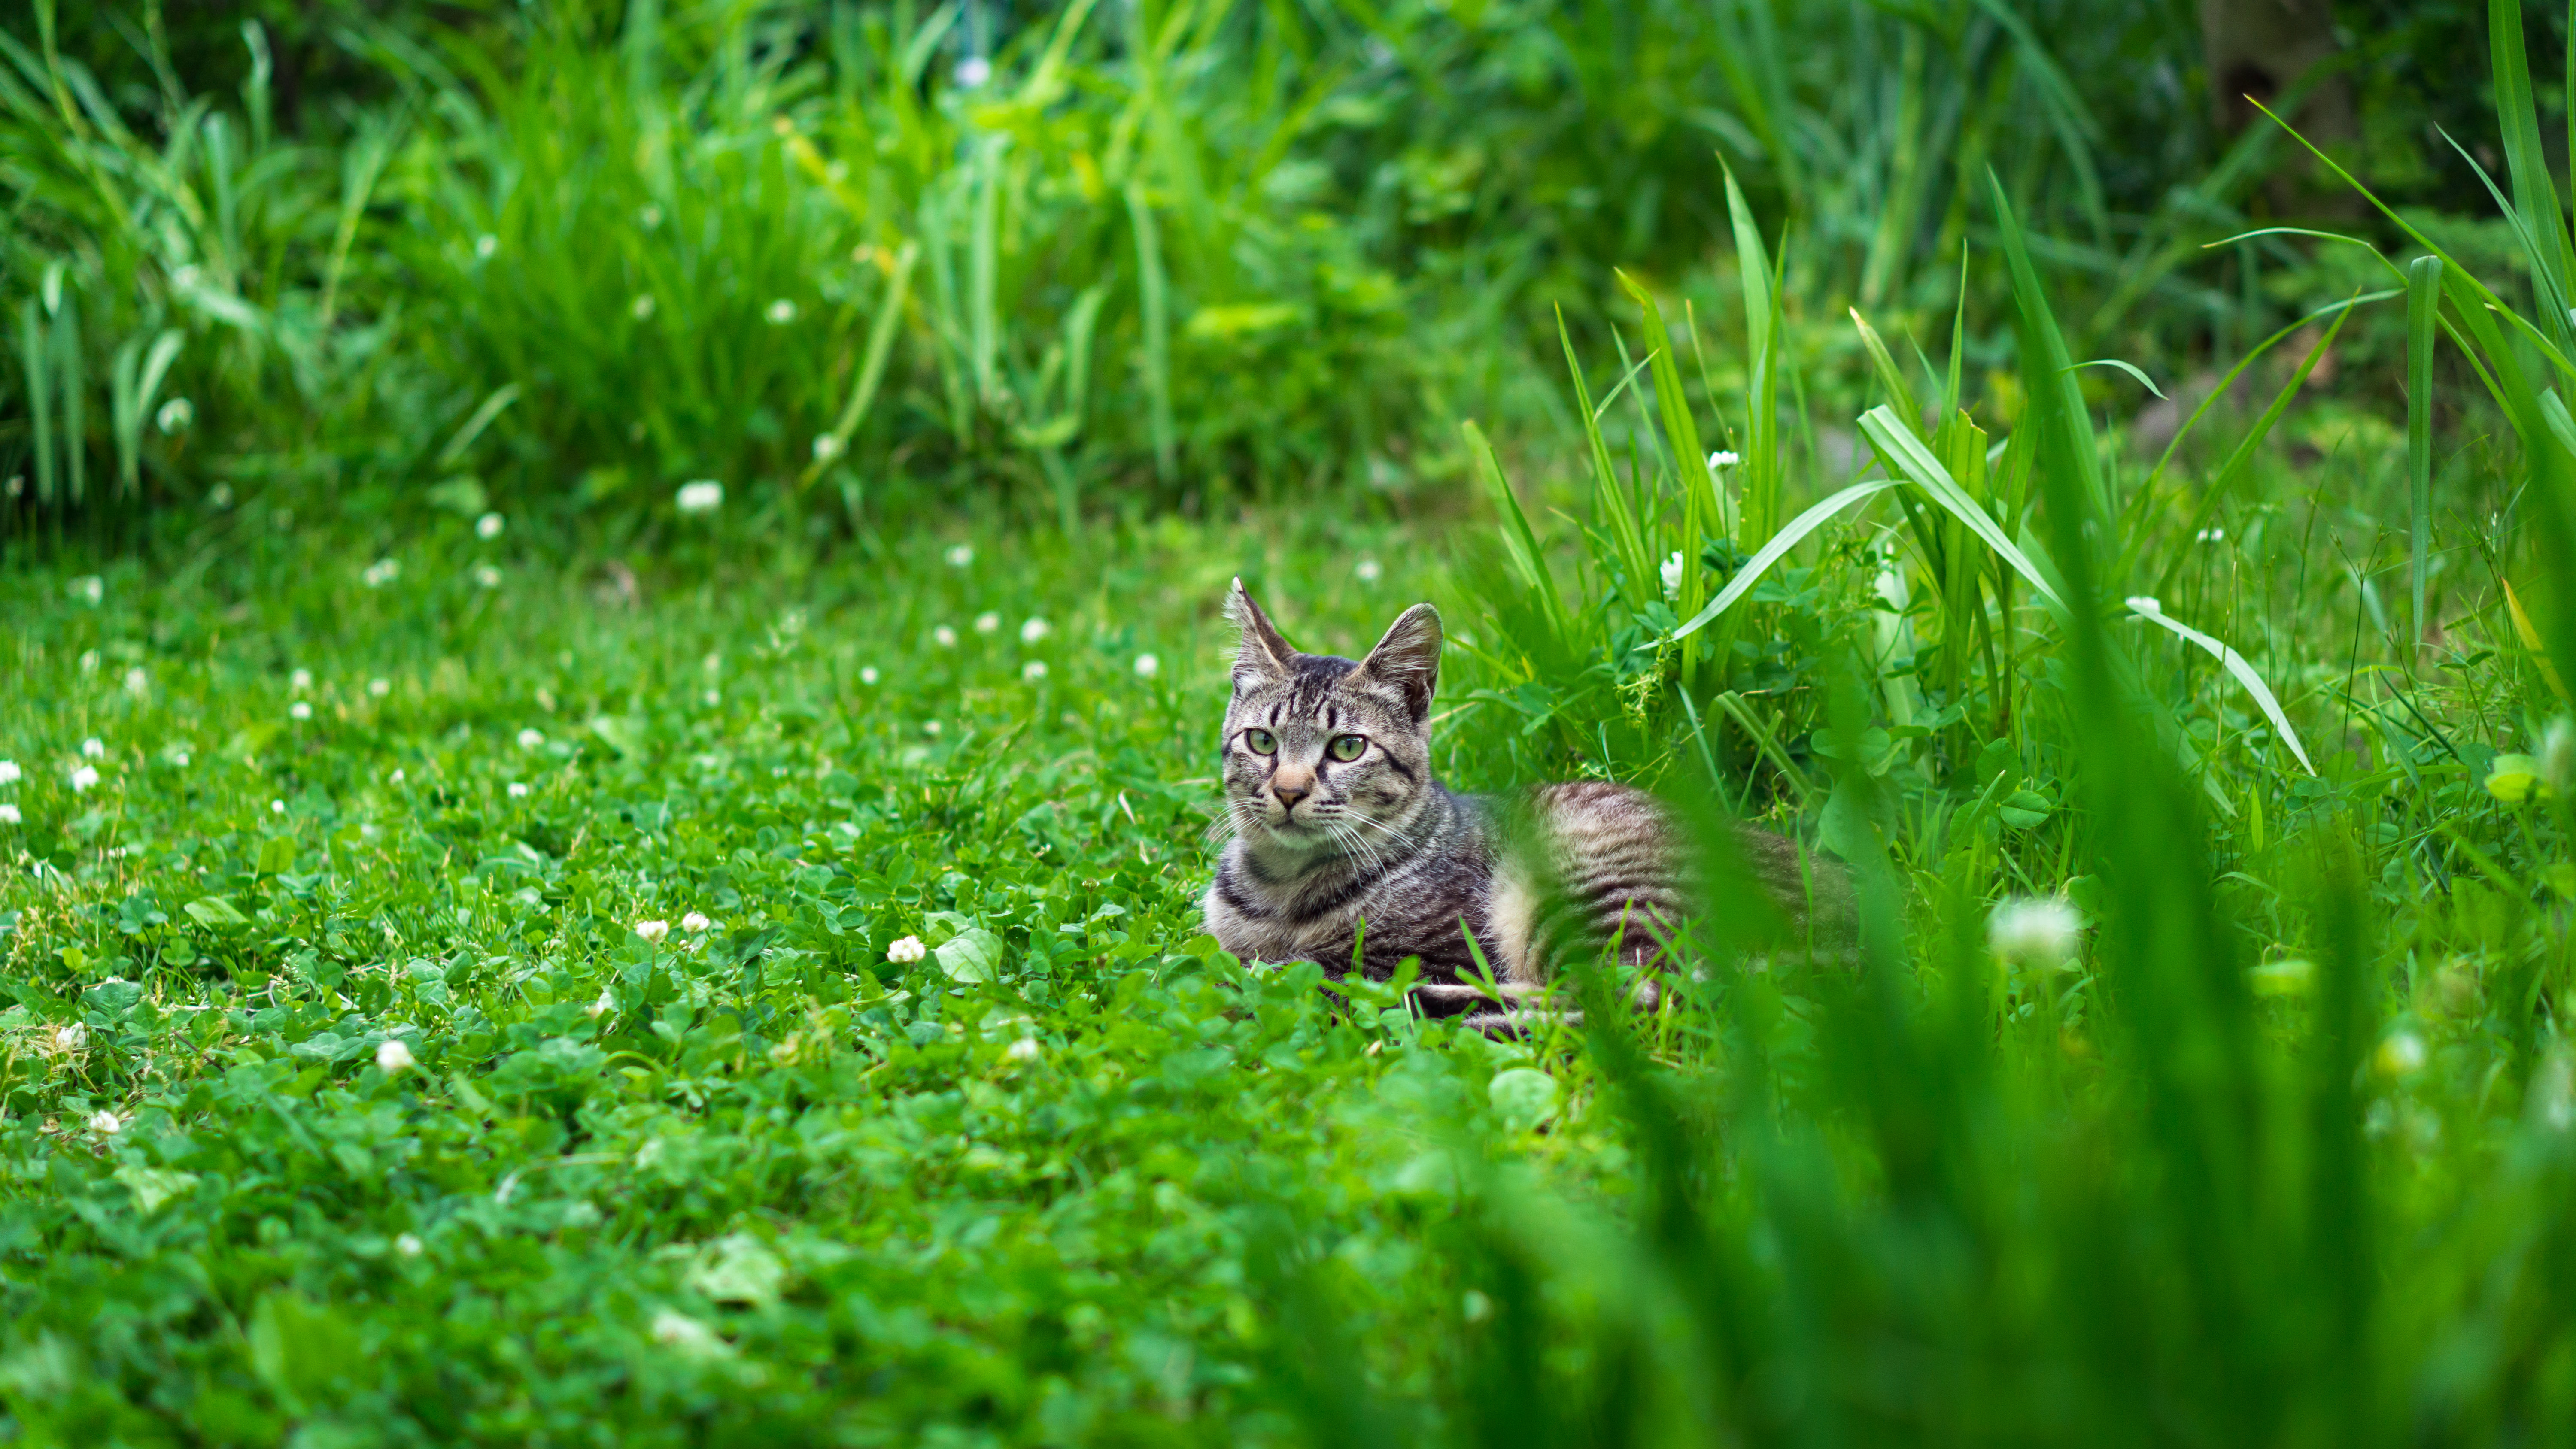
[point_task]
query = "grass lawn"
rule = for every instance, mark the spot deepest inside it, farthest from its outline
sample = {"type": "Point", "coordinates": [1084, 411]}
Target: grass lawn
{"type": "Point", "coordinates": [1015, 1188]}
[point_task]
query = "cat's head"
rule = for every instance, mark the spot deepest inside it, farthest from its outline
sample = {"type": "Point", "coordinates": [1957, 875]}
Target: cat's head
{"type": "Point", "coordinates": [1322, 753]}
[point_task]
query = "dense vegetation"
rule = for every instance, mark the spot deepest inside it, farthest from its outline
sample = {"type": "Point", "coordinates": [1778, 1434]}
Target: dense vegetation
{"type": "Point", "coordinates": [612, 659]}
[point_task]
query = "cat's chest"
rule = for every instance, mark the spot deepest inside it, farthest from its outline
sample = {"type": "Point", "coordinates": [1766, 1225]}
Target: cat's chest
{"type": "Point", "coordinates": [1416, 908]}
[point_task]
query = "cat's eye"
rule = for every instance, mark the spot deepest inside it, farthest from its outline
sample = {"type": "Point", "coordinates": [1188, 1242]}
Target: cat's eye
{"type": "Point", "coordinates": [1260, 742]}
{"type": "Point", "coordinates": [1346, 747]}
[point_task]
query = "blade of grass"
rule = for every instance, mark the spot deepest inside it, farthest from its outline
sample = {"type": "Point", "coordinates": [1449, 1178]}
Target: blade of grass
{"type": "Point", "coordinates": [2423, 301]}
{"type": "Point", "coordinates": [1907, 458]}
{"type": "Point", "coordinates": [2153, 612]}
{"type": "Point", "coordinates": [1151, 292]}
{"type": "Point", "coordinates": [1520, 543]}
{"type": "Point", "coordinates": [881, 335]}
{"type": "Point", "coordinates": [1780, 543]}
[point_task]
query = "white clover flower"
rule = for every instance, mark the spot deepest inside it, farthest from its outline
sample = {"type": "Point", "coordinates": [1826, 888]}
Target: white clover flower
{"type": "Point", "coordinates": [490, 525]}
{"type": "Point", "coordinates": [517, 789]}
{"type": "Point", "coordinates": [1147, 666]}
{"type": "Point", "coordinates": [906, 950]}
{"type": "Point", "coordinates": [1368, 570]}
{"type": "Point", "coordinates": [1722, 459]}
{"type": "Point", "coordinates": [653, 931]}
{"type": "Point", "coordinates": [781, 312]}
{"type": "Point", "coordinates": [2211, 535]}
{"type": "Point", "coordinates": [930, 727]}
{"type": "Point", "coordinates": [137, 683]}
{"type": "Point", "coordinates": [380, 687]}
{"type": "Point", "coordinates": [1034, 630]}
{"type": "Point", "coordinates": [604, 1005]}
{"type": "Point", "coordinates": [83, 777]}
{"type": "Point", "coordinates": [960, 555]}
{"type": "Point", "coordinates": [687, 1335]}
{"type": "Point", "coordinates": [2027, 931]}
{"type": "Point", "coordinates": [409, 1245]}
{"type": "Point", "coordinates": [9, 816]}
{"type": "Point", "coordinates": [301, 709]}
{"type": "Point", "coordinates": [649, 216]}
{"type": "Point", "coordinates": [1024, 1050]}
{"type": "Point", "coordinates": [485, 245]}
{"type": "Point", "coordinates": [106, 1124]}
{"type": "Point", "coordinates": [2400, 1055]}
{"type": "Point", "coordinates": [530, 739]}
{"type": "Point", "coordinates": [2145, 603]}
{"type": "Point", "coordinates": [987, 622]}
{"type": "Point", "coordinates": [71, 1037]}
{"type": "Point", "coordinates": [641, 309]}
{"type": "Point", "coordinates": [1672, 572]}
{"type": "Point", "coordinates": [827, 446]}
{"type": "Point", "coordinates": [276, 807]}
{"type": "Point", "coordinates": [973, 72]}
{"type": "Point", "coordinates": [694, 922]}
{"type": "Point", "coordinates": [944, 637]}
{"type": "Point", "coordinates": [486, 576]}
{"type": "Point", "coordinates": [89, 661]}
{"type": "Point", "coordinates": [2558, 756]}
{"type": "Point", "coordinates": [174, 417]}
{"type": "Point", "coordinates": [868, 674]}
{"type": "Point", "coordinates": [711, 698]}
{"type": "Point", "coordinates": [10, 774]}
{"type": "Point", "coordinates": [180, 758]}
{"type": "Point", "coordinates": [395, 778]}
{"type": "Point", "coordinates": [380, 573]}
{"type": "Point", "coordinates": [300, 681]}
{"type": "Point", "coordinates": [93, 749]}
{"type": "Point", "coordinates": [1034, 670]}
{"type": "Point", "coordinates": [88, 589]}
{"type": "Point", "coordinates": [705, 495]}
{"type": "Point", "coordinates": [392, 1056]}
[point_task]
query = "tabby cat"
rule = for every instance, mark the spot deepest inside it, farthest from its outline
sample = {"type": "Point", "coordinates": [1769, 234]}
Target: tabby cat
{"type": "Point", "coordinates": [1346, 851]}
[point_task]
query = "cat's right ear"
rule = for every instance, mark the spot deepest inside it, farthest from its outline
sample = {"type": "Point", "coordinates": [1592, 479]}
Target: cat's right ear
{"type": "Point", "coordinates": [1263, 655]}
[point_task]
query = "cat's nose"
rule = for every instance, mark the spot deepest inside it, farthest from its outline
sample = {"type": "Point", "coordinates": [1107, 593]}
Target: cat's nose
{"type": "Point", "coordinates": [1289, 795]}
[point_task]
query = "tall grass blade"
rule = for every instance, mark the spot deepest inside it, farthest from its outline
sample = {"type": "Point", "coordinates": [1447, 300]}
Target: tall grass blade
{"type": "Point", "coordinates": [2535, 200]}
{"type": "Point", "coordinates": [1761, 464]}
{"type": "Point", "coordinates": [2423, 304]}
{"type": "Point", "coordinates": [881, 336]}
{"type": "Point", "coordinates": [2056, 402]}
{"type": "Point", "coordinates": [2153, 612]}
{"type": "Point", "coordinates": [983, 265]}
{"type": "Point", "coordinates": [32, 358]}
{"type": "Point", "coordinates": [1906, 457]}
{"type": "Point", "coordinates": [475, 422]}
{"type": "Point", "coordinates": [71, 375]}
{"type": "Point", "coordinates": [1778, 546]}
{"type": "Point", "coordinates": [1152, 294]}
{"type": "Point", "coordinates": [1520, 543]}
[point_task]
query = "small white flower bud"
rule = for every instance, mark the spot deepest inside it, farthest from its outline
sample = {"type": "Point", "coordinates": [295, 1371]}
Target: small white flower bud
{"type": "Point", "coordinates": [2028, 931]}
{"type": "Point", "coordinates": [906, 950]}
{"type": "Point", "coordinates": [392, 1056]}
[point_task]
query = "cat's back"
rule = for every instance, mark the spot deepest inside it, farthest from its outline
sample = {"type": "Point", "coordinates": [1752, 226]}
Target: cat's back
{"type": "Point", "coordinates": [1590, 861]}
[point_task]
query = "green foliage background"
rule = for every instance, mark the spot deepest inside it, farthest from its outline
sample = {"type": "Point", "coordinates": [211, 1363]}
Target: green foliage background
{"type": "Point", "coordinates": [452, 966]}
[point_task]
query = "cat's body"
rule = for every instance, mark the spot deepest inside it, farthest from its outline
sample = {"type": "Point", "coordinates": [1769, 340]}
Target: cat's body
{"type": "Point", "coordinates": [1347, 851]}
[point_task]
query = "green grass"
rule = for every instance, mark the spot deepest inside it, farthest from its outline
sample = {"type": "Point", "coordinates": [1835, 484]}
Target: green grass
{"type": "Point", "coordinates": [2280, 1150]}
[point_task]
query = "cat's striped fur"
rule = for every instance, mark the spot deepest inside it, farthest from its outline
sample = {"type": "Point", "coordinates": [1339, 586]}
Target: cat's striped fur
{"type": "Point", "coordinates": [1368, 860]}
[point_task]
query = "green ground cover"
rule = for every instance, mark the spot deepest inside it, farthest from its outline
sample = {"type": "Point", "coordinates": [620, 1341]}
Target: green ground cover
{"type": "Point", "coordinates": [592, 851]}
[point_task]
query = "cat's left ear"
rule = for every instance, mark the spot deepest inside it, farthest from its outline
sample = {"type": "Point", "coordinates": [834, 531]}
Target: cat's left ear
{"type": "Point", "coordinates": [1261, 653]}
{"type": "Point", "coordinates": [1409, 658]}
